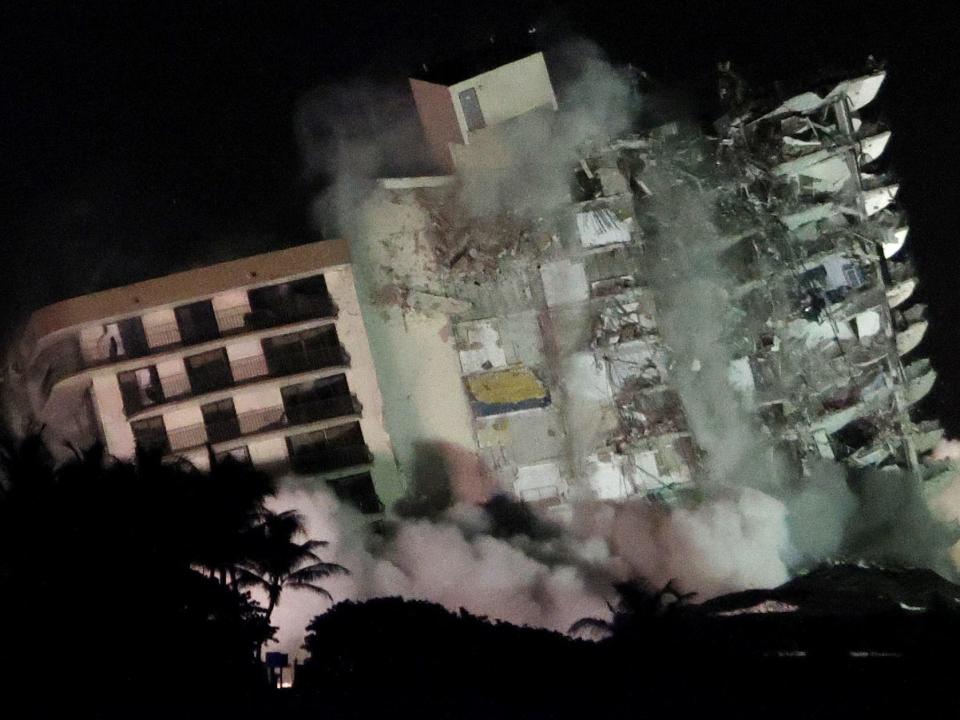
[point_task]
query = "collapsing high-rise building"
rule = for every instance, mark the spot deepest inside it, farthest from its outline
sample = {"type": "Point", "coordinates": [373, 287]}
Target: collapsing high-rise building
{"type": "Point", "coordinates": [526, 345]}
{"type": "Point", "coordinates": [558, 314]}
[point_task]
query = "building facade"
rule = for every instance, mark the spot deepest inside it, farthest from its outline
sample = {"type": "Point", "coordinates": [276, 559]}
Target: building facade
{"type": "Point", "coordinates": [263, 358]}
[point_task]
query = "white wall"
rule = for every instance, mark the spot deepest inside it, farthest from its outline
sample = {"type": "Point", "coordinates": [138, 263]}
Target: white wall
{"type": "Point", "coordinates": [230, 307]}
{"type": "Point", "coordinates": [160, 327]}
{"type": "Point", "coordinates": [238, 353]}
{"type": "Point", "coordinates": [172, 374]}
{"type": "Point", "coordinates": [507, 91]}
{"type": "Point", "coordinates": [268, 452]}
{"type": "Point", "coordinates": [257, 398]}
{"type": "Point", "coordinates": [109, 406]}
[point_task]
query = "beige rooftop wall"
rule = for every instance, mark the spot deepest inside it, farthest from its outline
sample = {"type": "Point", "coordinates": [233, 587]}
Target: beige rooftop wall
{"type": "Point", "coordinates": [184, 286]}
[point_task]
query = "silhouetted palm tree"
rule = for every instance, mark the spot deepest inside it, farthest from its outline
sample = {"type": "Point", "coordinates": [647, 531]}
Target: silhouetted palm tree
{"type": "Point", "coordinates": [279, 561]}
{"type": "Point", "coordinates": [229, 506]}
{"type": "Point", "coordinates": [637, 605]}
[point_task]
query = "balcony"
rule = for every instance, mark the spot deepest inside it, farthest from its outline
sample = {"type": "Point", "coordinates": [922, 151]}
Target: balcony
{"type": "Point", "coordinates": [327, 459]}
{"type": "Point", "coordinates": [237, 373]}
{"type": "Point", "coordinates": [261, 420]}
{"type": "Point", "coordinates": [329, 449]}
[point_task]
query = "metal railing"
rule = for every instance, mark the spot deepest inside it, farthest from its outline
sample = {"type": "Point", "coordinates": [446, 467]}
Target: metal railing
{"type": "Point", "coordinates": [290, 361]}
{"type": "Point", "coordinates": [262, 420]}
{"type": "Point", "coordinates": [324, 458]}
{"type": "Point", "coordinates": [240, 372]}
{"type": "Point", "coordinates": [230, 321]}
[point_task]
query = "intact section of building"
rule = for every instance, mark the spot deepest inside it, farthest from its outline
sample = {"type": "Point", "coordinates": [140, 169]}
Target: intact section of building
{"type": "Point", "coordinates": [456, 113]}
{"type": "Point", "coordinates": [263, 358]}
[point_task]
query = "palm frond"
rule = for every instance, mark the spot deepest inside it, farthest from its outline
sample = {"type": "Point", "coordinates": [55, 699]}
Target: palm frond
{"type": "Point", "coordinates": [313, 588]}
{"type": "Point", "coordinates": [318, 571]}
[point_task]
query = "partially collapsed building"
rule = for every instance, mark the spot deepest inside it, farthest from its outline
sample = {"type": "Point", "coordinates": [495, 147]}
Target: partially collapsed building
{"type": "Point", "coordinates": [527, 350]}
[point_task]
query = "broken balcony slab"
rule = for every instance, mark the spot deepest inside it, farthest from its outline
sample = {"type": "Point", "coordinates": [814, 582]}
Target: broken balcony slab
{"type": "Point", "coordinates": [908, 339]}
{"type": "Point", "coordinates": [901, 292]}
{"type": "Point", "coordinates": [859, 92]}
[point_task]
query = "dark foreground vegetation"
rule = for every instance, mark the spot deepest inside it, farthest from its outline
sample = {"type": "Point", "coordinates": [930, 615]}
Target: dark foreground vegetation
{"type": "Point", "coordinates": [126, 585]}
{"type": "Point", "coordinates": [849, 650]}
{"type": "Point", "coordinates": [124, 594]}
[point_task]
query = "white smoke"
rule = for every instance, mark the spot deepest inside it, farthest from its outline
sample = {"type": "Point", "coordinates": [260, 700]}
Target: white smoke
{"type": "Point", "coordinates": [748, 524]}
{"type": "Point", "coordinates": [451, 560]}
{"type": "Point", "coordinates": [946, 450]}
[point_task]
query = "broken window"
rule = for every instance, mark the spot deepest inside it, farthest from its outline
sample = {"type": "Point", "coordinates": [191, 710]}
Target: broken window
{"type": "Point", "coordinates": [140, 389]}
{"type": "Point", "coordinates": [471, 109]}
{"type": "Point", "coordinates": [853, 274]}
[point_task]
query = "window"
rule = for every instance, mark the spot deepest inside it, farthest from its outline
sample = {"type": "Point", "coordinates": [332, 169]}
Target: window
{"type": "Point", "coordinates": [471, 109]}
{"type": "Point", "coordinates": [358, 491]}
{"type": "Point", "coordinates": [133, 340]}
{"type": "Point", "coordinates": [318, 399]}
{"type": "Point", "coordinates": [290, 301]}
{"type": "Point", "coordinates": [140, 388]}
{"type": "Point", "coordinates": [208, 371]}
{"type": "Point", "coordinates": [150, 435]}
{"type": "Point", "coordinates": [308, 350]}
{"type": "Point", "coordinates": [853, 274]}
{"type": "Point", "coordinates": [197, 322]}
{"type": "Point", "coordinates": [329, 449]}
{"type": "Point", "coordinates": [221, 420]}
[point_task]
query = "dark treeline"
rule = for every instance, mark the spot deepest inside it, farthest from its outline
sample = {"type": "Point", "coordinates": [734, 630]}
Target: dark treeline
{"type": "Point", "coordinates": [126, 585]}
{"type": "Point", "coordinates": [124, 592]}
{"type": "Point", "coordinates": [864, 655]}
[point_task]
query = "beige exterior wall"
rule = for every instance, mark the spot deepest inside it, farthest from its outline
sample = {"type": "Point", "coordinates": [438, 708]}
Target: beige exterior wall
{"type": "Point", "coordinates": [363, 382]}
{"type": "Point", "coordinates": [265, 453]}
{"type": "Point", "coordinates": [508, 91]}
{"type": "Point", "coordinates": [160, 327]}
{"type": "Point", "coordinates": [108, 403]}
{"type": "Point", "coordinates": [425, 406]}
{"type": "Point", "coordinates": [256, 398]}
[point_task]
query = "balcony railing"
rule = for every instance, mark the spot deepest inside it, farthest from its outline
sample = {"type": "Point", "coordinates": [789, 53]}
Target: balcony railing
{"type": "Point", "coordinates": [322, 458]}
{"type": "Point", "coordinates": [262, 420]}
{"type": "Point", "coordinates": [240, 372]}
{"type": "Point", "coordinates": [230, 321]}
{"type": "Point", "coordinates": [290, 361]}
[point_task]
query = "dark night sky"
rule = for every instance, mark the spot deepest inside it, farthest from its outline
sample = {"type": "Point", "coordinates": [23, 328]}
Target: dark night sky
{"type": "Point", "coordinates": [138, 138]}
